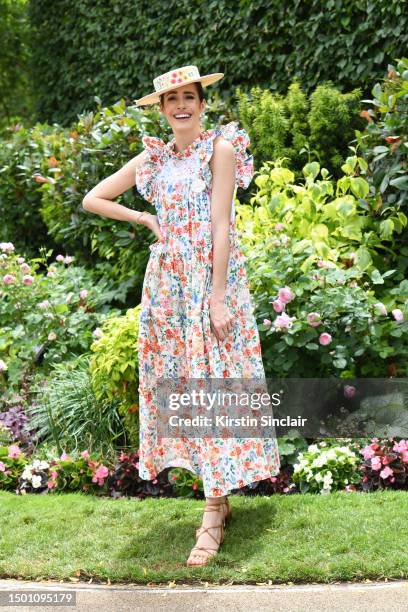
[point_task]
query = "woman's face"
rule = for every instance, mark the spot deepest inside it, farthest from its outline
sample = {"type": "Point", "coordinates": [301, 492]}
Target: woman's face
{"type": "Point", "coordinates": [183, 101]}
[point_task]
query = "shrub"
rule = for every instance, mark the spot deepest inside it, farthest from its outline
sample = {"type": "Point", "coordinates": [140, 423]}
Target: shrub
{"type": "Point", "coordinates": [320, 283]}
{"type": "Point", "coordinates": [297, 128]}
{"type": "Point", "coordinates": [114, 367]}
{"type": "Point", "coordinates": [66, 411]}
{"type": "Point", "coordinates": [385, 464]}
{"type": "Point", "coordinates": [47, 315]}
{"type": "Point", "coordinates": [324, 469]}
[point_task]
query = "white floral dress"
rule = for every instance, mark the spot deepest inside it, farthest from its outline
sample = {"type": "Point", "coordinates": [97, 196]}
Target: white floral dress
{"type": "Point", "coordinates": [175, 337]}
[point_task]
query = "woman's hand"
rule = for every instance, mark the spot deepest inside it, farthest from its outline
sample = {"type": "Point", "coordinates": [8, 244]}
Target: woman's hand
{"type": "Point", "coordinates": [220, 318]}
{"type": "Point", "coordinates": [151, 221]}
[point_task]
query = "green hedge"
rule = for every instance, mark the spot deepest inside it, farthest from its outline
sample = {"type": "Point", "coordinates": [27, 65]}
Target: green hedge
{"type": "Point", "coordinates": [114, 50]}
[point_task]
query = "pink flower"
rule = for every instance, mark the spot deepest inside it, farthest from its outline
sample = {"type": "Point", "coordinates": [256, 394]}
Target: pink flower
{"type": "Point", "coordinates": [51, 484]}
{"type": "Point", "coordinates": [381, 308]}
{"type": "Point", "coordinates": [278, 305]}
{"type": "Point", "coordinates": [267, 322]}
{"type": "Point", "coordinates": [314, 319]}
{"type": "Point", "coordinates": [14, 451]}
{"type": "Point", "coordinates": [44, 304]}
{"type": "Point", "coordinates": [405, 456]}
{"type": "Point", "coordinates": [155, 481]}
{"type": "Point", "coordinates": [85, 454]}
{"type": "Point", "coordinates": [2, 467]}
{"type": "Point", "coordinates": [273, 479]}
{"type": "Point", "coordinates": [54, 475]}
{"type": "Point", "coordinates": [285, 295]}
{"type": "Point", "coordinates": [376, 463]}
{"type": "Point", "coordinates": [7, 246]}
{"type": "Point", "coordinates": [25, 268]}
{"type": "Point", "coordinates": [59, 258]}
{"type": "Point", "coordinates": [283, 322]}
{"type": "Point", "coordinates": [195, 486]}
{"type": "Point", "coordinates": [386, 472]}
{"type": "Point", "coordinates": [368, 452]}
{"type": "Point", "coordinates": [97, 332]}
{"type": "Point", "coordinates": [20, 260]}
{"type": "Point", "coordinates": [27, 279]}
{"type": "Point", "coordinates": [278, 227]}
{"type": "Point", "coordinates": [83, 294]}
{"type": "Point", "coordinates": [349, 391]}
{"type": "Point", "coordinates": [64, 456]}
{"type": "Point", "coordinates": [398, 314]}
{"type": "Point", "coordinates": [325, 339]}
{"type": "Point", "coordinates": [400, 446]}
{"type": "Point", "coordinates": [8, 279]}
{"type": "Point", "coordinates": [99, 475]}
{"type": "Point", "coordinates": [68, 259]}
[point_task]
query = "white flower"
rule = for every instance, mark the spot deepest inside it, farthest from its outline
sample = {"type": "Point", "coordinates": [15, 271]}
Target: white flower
{"type": "Point", "coordinates": [3, 365]}
{"type": "Point", "coordinates": [36, 480]}
{"type": "Point", "coordinates": [97, 332]}
{"type": "Point", "coordinates": [27, 473]}
{"type": "Point", "coordinates": [313, 448]}
{"type": "Point", "coordinates": [331, 454]}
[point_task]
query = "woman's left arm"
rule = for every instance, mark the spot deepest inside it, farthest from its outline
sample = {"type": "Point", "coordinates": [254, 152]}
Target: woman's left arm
{"type": "Point", "coordinates": [223, 167]}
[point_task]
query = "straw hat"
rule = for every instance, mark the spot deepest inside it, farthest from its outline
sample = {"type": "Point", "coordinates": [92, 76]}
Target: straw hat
{"type": "Point", "coordinates": [176, 78]}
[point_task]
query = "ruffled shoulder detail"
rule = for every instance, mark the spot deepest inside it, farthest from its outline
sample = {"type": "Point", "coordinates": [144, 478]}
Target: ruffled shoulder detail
{"type": "Point", "coordinates": [240, 140]}
{"type": "Point", "coordinates": [155, 154]}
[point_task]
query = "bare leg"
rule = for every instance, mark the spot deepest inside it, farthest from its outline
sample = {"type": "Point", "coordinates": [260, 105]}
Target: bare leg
{"type": "Point", "coordinates": [211, 532]}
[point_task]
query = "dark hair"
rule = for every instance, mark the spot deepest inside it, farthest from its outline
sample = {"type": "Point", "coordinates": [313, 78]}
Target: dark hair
{"type": "Point", "coordinates": [199, 88]}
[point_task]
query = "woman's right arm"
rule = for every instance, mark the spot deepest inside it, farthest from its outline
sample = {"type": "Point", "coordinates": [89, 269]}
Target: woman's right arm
{"type": "Point", "coordinates": [99, 199]}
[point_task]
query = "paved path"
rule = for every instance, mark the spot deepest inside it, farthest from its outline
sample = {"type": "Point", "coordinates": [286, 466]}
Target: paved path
{"type": "Point", "coordinates": [343, 597]}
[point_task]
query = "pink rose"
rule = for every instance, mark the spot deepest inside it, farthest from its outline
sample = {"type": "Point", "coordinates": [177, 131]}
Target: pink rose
{"type": "Point", "coordinates": [283, 322]}
{"type": "Point", "coordinates": [285, 295]}
{"type": "Point", "coordinates": [267, 322]}
{"type": "Point", "coordinates": [398, 314]}
{"type": "Point", "coordinates": [278, 305]}
{"type": "Point", "coordinates": [381, 308]}
{"type": "Point", "coordinates": [349, 391]}
{"type": "Point", "coordinates": [8, 279]}
{"type": "Point", "coordinates": [27, 279]}
{"type": "Point", "coordinates": [59, 258]}
{"type": "Point", "coordinates": [85, 454]}
{"type": "Point", "coordinates": [314, 319]}
{"type": "Point", "coordinates": [325, 339]}
{"type": "Point", "coordinates": [2, 467]}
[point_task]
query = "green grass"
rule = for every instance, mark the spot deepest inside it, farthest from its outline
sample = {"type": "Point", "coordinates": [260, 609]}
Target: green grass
{"type": "Point", "coordinates": [297, 538]}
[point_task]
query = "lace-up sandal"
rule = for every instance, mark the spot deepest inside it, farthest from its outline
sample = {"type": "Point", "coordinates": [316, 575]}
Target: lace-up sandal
{"type": "Point", "coordinates": [227, 515]}
{"type": "Point", "coordinates": [202, 553]}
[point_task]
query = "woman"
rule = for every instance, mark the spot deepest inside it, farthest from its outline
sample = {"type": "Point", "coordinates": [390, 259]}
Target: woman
{"type": "Point", "coordinates": [196, 317]}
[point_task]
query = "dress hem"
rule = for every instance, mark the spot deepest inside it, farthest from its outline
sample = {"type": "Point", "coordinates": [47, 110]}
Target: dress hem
{"type": "Point", "coordinates": [226, 490]}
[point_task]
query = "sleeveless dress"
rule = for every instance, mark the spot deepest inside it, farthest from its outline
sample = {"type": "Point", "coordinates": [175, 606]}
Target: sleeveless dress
{"type": "Point", "coordinates": [175, 338]}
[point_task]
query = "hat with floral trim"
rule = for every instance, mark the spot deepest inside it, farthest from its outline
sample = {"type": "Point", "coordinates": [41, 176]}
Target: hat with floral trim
{"type": "Point", "coordinates": [177, 78]}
